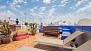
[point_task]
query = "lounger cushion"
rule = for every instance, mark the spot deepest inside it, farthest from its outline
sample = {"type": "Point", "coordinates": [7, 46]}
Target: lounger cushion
{"type": "Point", "coordinates": [22, 31]}
{"type": "Point", "coordinates": [22, 34]}
{"type": "Point", "coordinates": [21, 37]}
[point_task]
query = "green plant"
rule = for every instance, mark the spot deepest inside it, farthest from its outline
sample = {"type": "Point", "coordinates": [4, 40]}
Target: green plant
{"type": "Point", "coordinates": [30, 24]}
{"type": "Point", "coordinates": [34, 29]}
{"type": "Point", "coordinates": [35, 25]}
{"type": "Point", "coordinates": [5, 29]}
{"type": "Point", "coordinates": [26, 23]}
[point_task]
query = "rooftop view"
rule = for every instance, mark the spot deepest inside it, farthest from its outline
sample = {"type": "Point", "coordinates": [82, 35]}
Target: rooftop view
{"type": "Point", "coordinates": [45, 25]}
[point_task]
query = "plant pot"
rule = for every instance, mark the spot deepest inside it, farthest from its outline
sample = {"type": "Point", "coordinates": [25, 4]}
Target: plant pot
{"type": "Point", "coordinates": [6, 39]}
{"type": "Point", "coordinates": [33, 32]}
{"type": "Point", "coordinates": [0, 41]}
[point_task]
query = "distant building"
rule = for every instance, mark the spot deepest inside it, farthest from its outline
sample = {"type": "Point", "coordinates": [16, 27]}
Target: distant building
{"type": "Point", "coordinates": [56, 23]}
{"type": "Point", "coordinates": [51, 24]}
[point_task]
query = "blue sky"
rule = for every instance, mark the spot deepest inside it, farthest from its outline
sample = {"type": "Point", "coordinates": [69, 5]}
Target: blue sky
{"type": "Point", "coordinates": [47, 10]}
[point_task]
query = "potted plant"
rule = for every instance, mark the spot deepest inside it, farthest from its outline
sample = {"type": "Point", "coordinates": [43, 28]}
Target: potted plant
{"type": "Point", "coordinates": [6, 32]}
{"type": "Point", "coordinates": [0, 40]}
{"type": "Point", "coordinates": [34, 29]}
{"type": "Point", "coordinates": [26, 23]}
{"type": "Point", "coordinates": [0, 33]}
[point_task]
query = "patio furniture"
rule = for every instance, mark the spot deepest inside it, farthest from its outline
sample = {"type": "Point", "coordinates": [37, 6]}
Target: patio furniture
{"type": "Point", "coordinates": [26, 48]}
{"type": "Point", "coordinates": [21, 37]}
{"type": "Point", "coordinates": [41, 30]}
{"type": "Point", "coordinates": [21, 34]}
{"type": "Point", "coordinates": [60, 30]}
{"type": "Point", "coordinates": [56, 42]}
{"type": "Point", "coordinates": [53, 31]}
{"type": "Point", "coordinates": [22, 31]}
{"type": "Point", "coordinates": [65, 33]}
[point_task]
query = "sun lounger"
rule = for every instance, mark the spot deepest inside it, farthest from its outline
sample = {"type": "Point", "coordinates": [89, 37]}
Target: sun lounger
{"type": "Point", "coordinates": [26, 48]}
{"type": "Point", "coordinates": [56, 42]}
{"type": "Point", "coordinates": [51, 31]}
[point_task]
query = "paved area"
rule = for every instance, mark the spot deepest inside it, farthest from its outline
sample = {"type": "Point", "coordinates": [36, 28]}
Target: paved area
{"type": "Point", "coordinates": [28, 42]}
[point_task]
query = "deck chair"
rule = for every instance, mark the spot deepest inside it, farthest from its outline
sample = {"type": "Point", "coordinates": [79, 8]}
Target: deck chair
{"type": "Point", "coordinates": [84, 47]}
{"type": "Point", "coordinates": [26, 48]}
{"type": "Point", "coordinates": [56, 42]}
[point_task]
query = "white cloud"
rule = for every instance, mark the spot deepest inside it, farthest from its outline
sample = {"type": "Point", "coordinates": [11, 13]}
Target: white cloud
{"type": "Point", "coordinates": [74, 0]}
{"type": "Point", "coordinates": [18, 6]}
{"type": "Point", "coordinates": [53, 1]}
{"type": "Point", "coordinates": [25, 3]}
{"type": "Point", "coordinates": [51, 11]}
{"type": "Point", "coordinates": [15, 2]}
{"type": "Point", "coordinates": [47, 1]}
{"type": "Point", "coordinates": [72, 17]}
{"type": "Point", "coordinates": [6, 14]}
{"type": "Point", "coordinates": [2, 7]}
{"type": "Point", "coordinates": [34, 14]}
{"type": "Point", "coordinates": [39, 13]}
{"type": "Point", "coordinates": [10, 13]}
{"type": "Point", "coordinates": [35, 7]}
{"type": "Point", "coordinates": [54, 6]}
{"type": "Point", "coordinates": [37, 0]}
{"type": "Point", "coordinates": [72, 7]}
{"type": "Point", "coordinates": [32, 11]}
{"type": "Point", "coordinates": [22, 13]}
{"type": "Point", "coordinates": [19, 1]}
{"type": "Point", "coordinates": [7, 2]}
{"type": "Point", "coordinates": [86, 8]}
{"type": "Point", "coordinates": [13, 7]}
{"type": "Point", "coordinates": [63, 3]}
{"type": "Point", "coordinates": [80, 2]}
{"type": "Point", "coordinates": [42, 10]}
{"type": "Point", "coordinates": [32, 0]}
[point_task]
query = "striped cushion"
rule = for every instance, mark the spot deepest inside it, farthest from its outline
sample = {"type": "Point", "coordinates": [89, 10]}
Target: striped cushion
{"type": "Point", "coordinates": [22, 34]}
{"type": "Point", "coordinates": [21, 37]}
{"type": "Point", "coordinates": [21, 31]}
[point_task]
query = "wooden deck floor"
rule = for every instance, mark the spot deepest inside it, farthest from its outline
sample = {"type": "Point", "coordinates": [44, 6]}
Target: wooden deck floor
{"type": "Point", "coordinates": [28, 42]}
